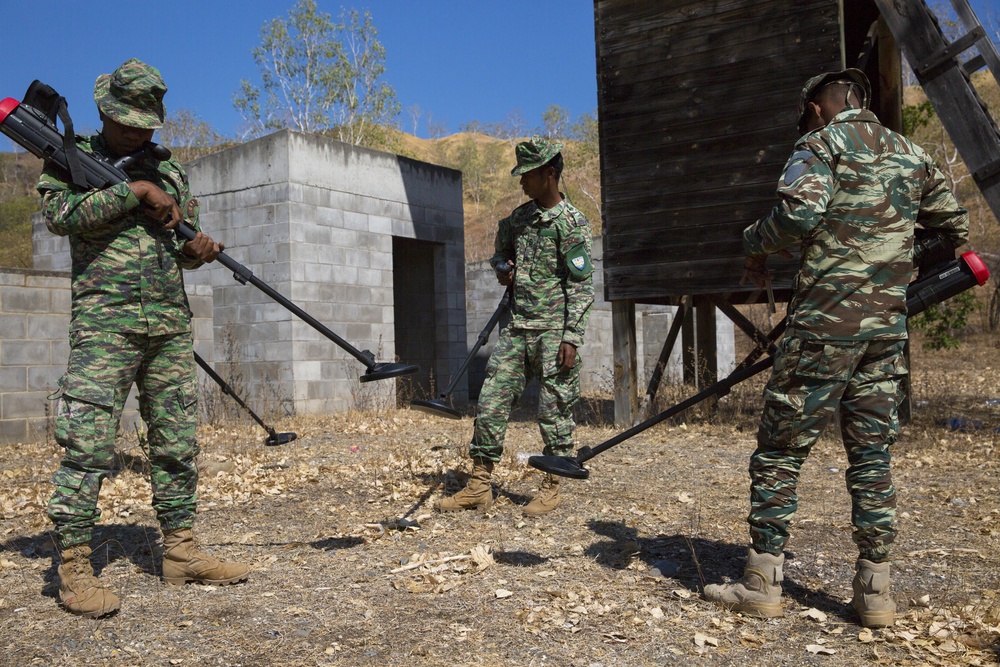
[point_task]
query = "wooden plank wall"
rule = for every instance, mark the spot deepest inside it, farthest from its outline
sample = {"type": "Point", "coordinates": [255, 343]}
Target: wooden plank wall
{"type": "Point", "coordinates": [697, 110]}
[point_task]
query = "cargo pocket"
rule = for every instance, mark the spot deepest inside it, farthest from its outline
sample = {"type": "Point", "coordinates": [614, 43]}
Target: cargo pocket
{"type": "Point", "coordinates": [68, 480]}
{"type": "Point", "coordinates": [84, 389]}
{"type": "Point", "coordinates": [86, 416]}
{"type": "Point", "coordinates": [826, 361]}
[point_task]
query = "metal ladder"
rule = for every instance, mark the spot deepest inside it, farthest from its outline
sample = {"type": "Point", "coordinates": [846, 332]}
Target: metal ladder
{"type": "Point", "coordinates": [946, 83]}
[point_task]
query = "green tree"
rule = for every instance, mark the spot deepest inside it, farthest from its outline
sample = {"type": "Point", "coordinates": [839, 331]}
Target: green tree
{"type": "Point", "coordinates": [317, 75]}
{"type": "Point", "coordinates": [556, 121]}
{"type": "Point", "coordinates": [188, 136]}
{"type": "Point", "coordinates": [943, 323]}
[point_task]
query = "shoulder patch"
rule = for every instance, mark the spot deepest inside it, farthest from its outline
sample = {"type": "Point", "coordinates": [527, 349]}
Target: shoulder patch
{"type": "Point", "coordinates": [797, 165]}
{"type": "Point", "coordinates": [578, 261]}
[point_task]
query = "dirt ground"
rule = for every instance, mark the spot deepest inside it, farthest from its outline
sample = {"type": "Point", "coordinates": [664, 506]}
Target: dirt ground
{"type": "Point", "coordinates": [352, 566]}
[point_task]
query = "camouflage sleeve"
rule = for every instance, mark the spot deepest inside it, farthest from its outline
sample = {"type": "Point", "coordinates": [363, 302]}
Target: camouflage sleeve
{"type": "Point", "coordinates": [804, 192]}
{"type": "Point", "coordinates": [503, 243]}
{"type": "Point", "coordinates": [69, 211]}
{"type": "Point", "coordinates": [174, 173]}
{"type": "Point", "coordinates": [579, 292]}
{"type": "Point", "coordinates": [939, 210]}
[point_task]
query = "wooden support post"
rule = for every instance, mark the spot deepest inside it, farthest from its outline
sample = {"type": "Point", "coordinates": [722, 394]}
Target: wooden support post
{"type": "Point", "coordinates": [707, 356]}
{"type": "Point", "coordinates": [890, 83]}
{"type": "Point", "coordinates": [689, 360]}
{"type": "Point", "coordinates": [626, 380]}
{"type": "Point", "coordinates": [656, 377]}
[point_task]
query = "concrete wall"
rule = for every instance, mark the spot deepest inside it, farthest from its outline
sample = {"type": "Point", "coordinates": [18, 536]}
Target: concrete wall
{"type": "Point", "coordinates": [652, 325]}
{"type": "Point", "coordinates": [34, 348]}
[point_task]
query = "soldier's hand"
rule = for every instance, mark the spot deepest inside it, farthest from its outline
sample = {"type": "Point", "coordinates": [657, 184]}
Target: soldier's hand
{"type": "Point", "coordinates": [203, 248]}
{"type": "Point", "coordinates": [566, 358]}
{"type": "Point", "coordinates": [506, 278]}
{"type": "Point", "coordinates": [157, 204]}
{"type": "Point", "coordinates": [755, 270]}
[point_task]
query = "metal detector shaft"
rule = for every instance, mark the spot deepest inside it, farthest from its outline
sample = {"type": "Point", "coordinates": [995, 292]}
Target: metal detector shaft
{"type": "Point", "coordinates": [484, 336]}
{"type": "Point", "coordinates": [228, 391]}
{"type": "Point", "coordinates": [244, 275]}
{"type": "Point", "coordinates": [274, 438]}
{"type": "Point", "coordinates": [720, 388]}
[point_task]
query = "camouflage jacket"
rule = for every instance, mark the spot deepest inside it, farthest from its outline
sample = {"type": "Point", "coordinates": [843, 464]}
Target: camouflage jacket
{"type": "Point", "coordinates": [546, 295]}
{"type": "Point", "coordinates": [126, 274]}
{"type": "Point", "coordinates": [850, 196]}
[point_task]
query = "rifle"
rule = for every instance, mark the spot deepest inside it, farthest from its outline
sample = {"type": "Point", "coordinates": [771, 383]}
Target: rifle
{"type": "Point", "coordinates": [35, 130]}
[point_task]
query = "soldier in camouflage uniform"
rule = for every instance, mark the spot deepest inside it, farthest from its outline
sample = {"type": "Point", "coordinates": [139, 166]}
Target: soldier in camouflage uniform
{"type": "Point", "coordinates": [547, 242]}
{"type": "Point", "coordinates": [130, 324]}
{"type": "Point", "coordinates": [850, 197]}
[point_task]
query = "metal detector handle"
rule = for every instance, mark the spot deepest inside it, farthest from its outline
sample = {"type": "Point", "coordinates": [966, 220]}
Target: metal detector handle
{"type": "Point", "coordinates": [244, 275]}
{"type": "Point", "coordinates": [484, 336]}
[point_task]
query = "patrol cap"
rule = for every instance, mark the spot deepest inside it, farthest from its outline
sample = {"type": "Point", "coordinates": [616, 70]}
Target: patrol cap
{"type": "Point", "coordinates": [851, 76]}
{"type": "Point", "coordinates": [534, 153]}
{"type": "Point", "coordinates": [132, 95]}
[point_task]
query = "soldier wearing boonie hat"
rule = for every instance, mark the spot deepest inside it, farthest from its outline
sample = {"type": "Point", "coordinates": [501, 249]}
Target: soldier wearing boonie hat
{"type": "Point", "coordinates": [849, 199]}
{"type": "Point", "coordinates": [547, 242]}
{"type": "Point", "coordinates": [534, 153]}
{"type": "Point", "coordinates": [130, 324]}
{"type": "Point", "coordinates": [132, 95]}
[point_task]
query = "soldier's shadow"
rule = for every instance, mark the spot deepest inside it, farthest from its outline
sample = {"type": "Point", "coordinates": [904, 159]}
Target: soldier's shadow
{"type": "Point", "coordinates": [112, 546]}
{"type": "Point", "coordinates": [695, 561]}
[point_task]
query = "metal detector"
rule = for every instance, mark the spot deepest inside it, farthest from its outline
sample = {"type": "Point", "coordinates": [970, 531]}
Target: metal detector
{"type": "Point", "coordinates": [273, 438]}
{"type": "Point", "coordinates": [947, 280]}
{"type": "Point", "coordinates": [36, 132]}
{"type": "Point", "coordinates": [438, 406]}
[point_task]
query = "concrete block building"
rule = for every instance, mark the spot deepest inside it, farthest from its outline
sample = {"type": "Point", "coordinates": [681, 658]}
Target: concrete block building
{"type": "Point", "coordinates": [368, 243]}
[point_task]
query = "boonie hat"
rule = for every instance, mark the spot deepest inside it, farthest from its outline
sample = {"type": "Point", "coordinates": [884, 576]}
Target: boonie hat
{"type": "Point", "coordinates": [132, 95]}
{"type": "Point", "coordinates": [533, 153]}
{"type": "Point", "coordinates": [851, 76]}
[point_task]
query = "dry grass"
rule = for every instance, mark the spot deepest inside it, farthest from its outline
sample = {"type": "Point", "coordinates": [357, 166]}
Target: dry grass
{"type": "Point", "coordinates": [351, 566]}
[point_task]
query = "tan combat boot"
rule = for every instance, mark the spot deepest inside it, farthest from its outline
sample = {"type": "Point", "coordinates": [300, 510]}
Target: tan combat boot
{"type": "Point", "coordinates": [477, 493]}
{"type": "Point", "coordinates": [872, 600]}
{"type": "Point", "coordinates": [81, 592]}
{"type": "Point", "coordinates": [548, 497]}
{"type": "Point", "coordinates": [758, 593]}
{"type": "Point", "coordinates": [183, 562]}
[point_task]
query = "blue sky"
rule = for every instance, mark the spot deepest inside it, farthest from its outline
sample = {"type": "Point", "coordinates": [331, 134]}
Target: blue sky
{"type": "Point", "coordinates": [458, 60]}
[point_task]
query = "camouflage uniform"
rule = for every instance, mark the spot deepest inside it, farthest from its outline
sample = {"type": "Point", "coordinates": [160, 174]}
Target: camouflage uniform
{"type": "Point", "coordinates": [130, 323]}
{"type": "Point", "coordinates": [850, 196]}
{"type": "Point", "coordinates": [552, 294]}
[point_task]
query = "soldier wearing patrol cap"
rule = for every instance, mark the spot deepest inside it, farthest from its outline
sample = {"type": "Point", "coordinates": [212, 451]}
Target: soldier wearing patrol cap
{"type": "Point", "coordinates": [130, 324]}
{"type": "Point", "coordinates": [849, 199]}
{"type": "Point", "coordinates": [547, 242]}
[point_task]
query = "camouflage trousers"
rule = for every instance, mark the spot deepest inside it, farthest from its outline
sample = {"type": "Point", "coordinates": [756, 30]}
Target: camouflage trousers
{"type": "Point", "coordinates": [519, 355]}
{"type": "Point", "coordinates": [811, 380]}
{"type": "Point", "coordinates": [102, 368]}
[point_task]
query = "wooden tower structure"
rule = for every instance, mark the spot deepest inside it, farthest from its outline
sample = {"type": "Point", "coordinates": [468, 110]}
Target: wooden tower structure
{"type": "Point", "coordinates": [697, 106]}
